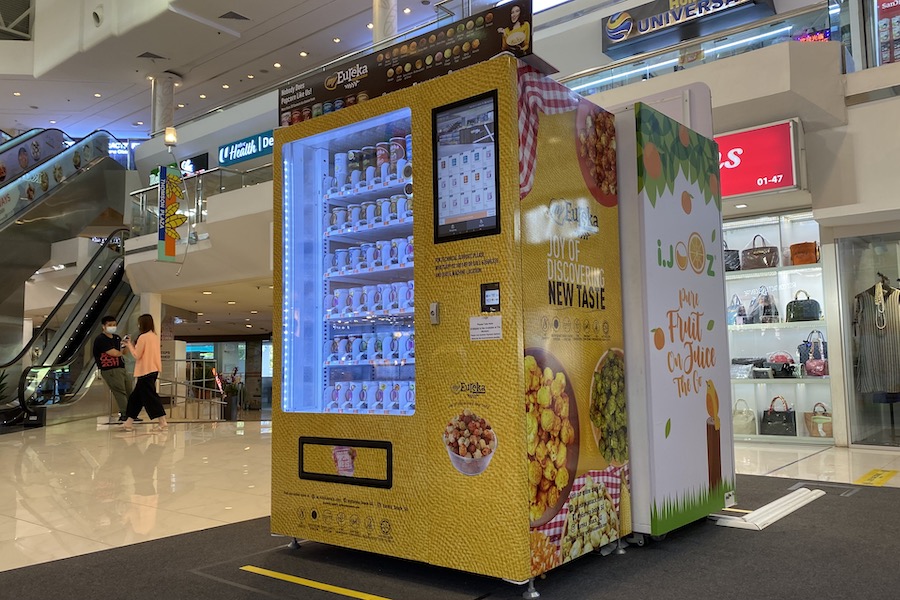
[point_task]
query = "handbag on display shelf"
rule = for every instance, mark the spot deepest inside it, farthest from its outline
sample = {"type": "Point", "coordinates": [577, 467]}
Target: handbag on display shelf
{"type": "Point", "coordinates": [759, 257]}
{"type": "Point", "coordinates": [807, 351]}
{"type": "Point", "coordinates": [732, 258]}
{"type": "Point", "coordinates": [818, 424]}
{"type": "Point", "coordinates": [743, 418]}
{"type": "Point", "coordinates": [802, 310]}
{"type": "Point", "coordinates": [781, 364]}
{"type": "Point", "coordinates": [736, 311]}
{"type": "Point", "coordinates": [816, 365]}
{"type": "Point", "coordinates": [804, 253]}
{"type": "Point", "coordinates": [742, 368]}
{"type": "Point", "coordinates": [763, 308]}
{"type": "Point", "coordinates": [778, 422]}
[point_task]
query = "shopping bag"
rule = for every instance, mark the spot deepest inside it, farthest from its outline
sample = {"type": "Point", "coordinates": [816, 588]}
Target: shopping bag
{"type": "Point", "coordinates": [802, 309]}
{"type": "Point", "coordinates": [759, 257]}
{"type": "Point", "coordinates": [818, 424]}
{"type": "Point", "coordinates": [732, 258]}
{"type": "Point", "coordinates": [804, 253]}
{"type": "Point", "coordinates": [743, 418]}
{"type": "Point", "coordinates": [778, 422]}
{"type": "Point", "coordinates": [734, 310]}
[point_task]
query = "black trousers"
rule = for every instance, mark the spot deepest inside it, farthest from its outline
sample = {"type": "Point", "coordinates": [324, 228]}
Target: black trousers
{"type": "Point", "coordinates": [144, 396]}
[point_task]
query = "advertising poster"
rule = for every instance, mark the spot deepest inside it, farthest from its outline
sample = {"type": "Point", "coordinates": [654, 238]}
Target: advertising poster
{"type": "Point", "coordinates": [170, 197]}
{"type": "Point", "coordinates": [687, 364]}
{"type": "Point", "coordinates": [33, 169]}
{"type": "Point", "coordinates": [760, 160]}
{"type": "Point", "coordinates": [576, 426]}
{"type": "Point", "coordinates": [470, 40]}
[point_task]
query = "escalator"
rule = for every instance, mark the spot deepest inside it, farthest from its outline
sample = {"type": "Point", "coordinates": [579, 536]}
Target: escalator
{"type": "Point", "coordinates": [51, 188]}
{"type": "Point", "coordinates": [56, 368]}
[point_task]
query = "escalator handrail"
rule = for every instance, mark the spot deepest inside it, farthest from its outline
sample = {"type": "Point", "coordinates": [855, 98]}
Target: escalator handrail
{"type": "Point", "coordinates": [48, 158]}
{"type": "Point", "coordinates": [20, 395]}
{"type": "Point", "coordinates": [22, 137]}
{"type": "Point", "coordinates": [122, 232]}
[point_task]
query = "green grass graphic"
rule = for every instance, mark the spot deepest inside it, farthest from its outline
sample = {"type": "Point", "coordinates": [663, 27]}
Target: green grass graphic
{"type": "Point", "coordinates": [694, 505]}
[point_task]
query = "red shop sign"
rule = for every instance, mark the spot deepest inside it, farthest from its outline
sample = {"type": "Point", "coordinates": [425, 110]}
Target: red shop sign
{"type": "Point", "coordinates": [758, 160]}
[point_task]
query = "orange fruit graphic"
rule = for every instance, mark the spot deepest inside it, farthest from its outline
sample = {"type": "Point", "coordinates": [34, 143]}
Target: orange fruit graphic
{"type": "Point", "coordinates": [686, 202]}
{"type": "Point", "coordinates": [697, 252]}
{"type": "Point", "coordinates": [714, 185]}
{"type": "Point", "coordinates": [652, 161]}
{"type": "Point", "coordinates": [659, 338]}
{"type": "Point", "coordinates": [681, 255]}
{"type": "Point", "coordinates": [683, 136]}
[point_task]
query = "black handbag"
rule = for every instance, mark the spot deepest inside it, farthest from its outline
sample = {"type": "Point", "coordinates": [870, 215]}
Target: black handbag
{"type": "Point", "coordinates": [778, 422]}
{"type": "Point", "coordinates": [802, 310]}
{"type": "Point", "coordinates": [806, 350]}
{"type": "Point", "coordinates": [759, 257]}
{"type": "Point", "coordinates": [762, 308]}
{"type": "Point", "coordinates": [732, 258]}
{"type": "Point", "coordinates": [780, 370]}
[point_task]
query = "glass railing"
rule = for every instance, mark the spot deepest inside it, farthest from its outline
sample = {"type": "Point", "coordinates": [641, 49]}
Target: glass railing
{"type": "Point", "coordinates": [198, 188]}
{"type": "Point", "coordinates": [812, 23]}
{"type": "Point", "coordinates": [44, 163]}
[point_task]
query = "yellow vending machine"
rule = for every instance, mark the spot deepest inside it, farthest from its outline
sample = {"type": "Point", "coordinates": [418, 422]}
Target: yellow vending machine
{"type": "Point", "coordinates": [475, 383]}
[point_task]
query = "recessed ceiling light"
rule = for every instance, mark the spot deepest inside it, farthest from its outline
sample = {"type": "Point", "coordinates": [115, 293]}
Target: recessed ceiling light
{"type": "Point", "coordinates": [52, 122]}
{"type": "Point", "coordinates": [208, 321]}
{"type": "Point", "coordinates": [180, 105]}
{"type": "Point", "coordinates": [271, 287]}
{"type": "Point", "coordinates": [277, 65]}
{"type": "Point", "coordinates": [407, 10]}
{"type": "Point", "coordinates": [177, 84]}
{"type": "Point", "coordinates": [336, 40]}
{"type": "Point", "coordinates": [202, 96]}
{"type": "Point", "coordinates": [249, 326]}
{"type": "Point", "coordinates": [97, 95]}
{"type": "Point", "coordinates": [247, 319]}
{"type": "Point", "coordinates": [253, 312]}
{"type": "Point", "coordinates": [17, 93]}
{"type": "Point", "coordinates": [199, 314]}
{"type": "Point", "coordinates": [225, 86]}
{"type": "Point", "coordinates": [207, 293]}
{"type": "Point", "coordinates": [740, 206]}
{"type": "Point", "coordinates": [232, 302]}
{"type": "Point", "coordinates": [304, 53]}
{"type": "Point", "coordinates": [250, 75]}
{"type": "Point", "coordinates": [370, 26]}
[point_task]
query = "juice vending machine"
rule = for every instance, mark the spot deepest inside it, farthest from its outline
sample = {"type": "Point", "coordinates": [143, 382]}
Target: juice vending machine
{"type": "Point", "coordinates": [449, 346]}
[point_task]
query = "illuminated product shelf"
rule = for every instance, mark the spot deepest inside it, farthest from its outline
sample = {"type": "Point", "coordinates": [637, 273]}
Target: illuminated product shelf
{"type": "Point", "coordinates": [366, 193]}
{"type": "Point", "coordinates": [390, 362]}
{"type": "Point", "coordinates": [780, 380]}
{"type": "Point", "coordinates": [402, 270]}
{"type": "Point", "coordinates": [783, 325]}
{"type": "Point", "coordinates": [369, 232]}
{"type": "Point", "coordinates": [365, 317]}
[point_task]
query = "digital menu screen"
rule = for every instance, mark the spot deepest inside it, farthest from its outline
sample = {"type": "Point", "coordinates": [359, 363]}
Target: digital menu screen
{"type": "Point", "coordinates": [466, 190]}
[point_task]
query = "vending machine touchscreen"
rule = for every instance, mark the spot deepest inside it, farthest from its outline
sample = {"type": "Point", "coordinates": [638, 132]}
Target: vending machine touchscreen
{"type": "Point", "coordinates": [465, 171]}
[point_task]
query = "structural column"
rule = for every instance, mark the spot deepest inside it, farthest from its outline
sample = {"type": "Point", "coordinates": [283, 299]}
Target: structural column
{"type": "Point", "coordinates": [384, 19]}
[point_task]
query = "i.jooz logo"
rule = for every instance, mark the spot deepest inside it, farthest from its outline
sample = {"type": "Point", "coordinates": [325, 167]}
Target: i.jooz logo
{"type": "Point", "coordinates": [619, 26]}
{"type": "Point", "coordinates": [473, 390]}
{"type": "Point", "coordinates": [682, 254]}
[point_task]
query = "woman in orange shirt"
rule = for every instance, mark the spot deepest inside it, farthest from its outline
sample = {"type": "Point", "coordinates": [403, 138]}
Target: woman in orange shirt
{"type": "Point", "coordinates": [148, 364]}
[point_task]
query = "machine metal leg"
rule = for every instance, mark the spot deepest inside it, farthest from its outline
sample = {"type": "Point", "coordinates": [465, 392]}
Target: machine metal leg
{"type": "Point", "coordinates": [531, 593]}
{"type": "Point", "coordinates": [294, 544]}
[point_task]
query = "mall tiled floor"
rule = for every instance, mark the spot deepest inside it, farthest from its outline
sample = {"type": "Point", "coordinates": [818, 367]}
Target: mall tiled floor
{"type": "Point", "coordinates": [76, 488]}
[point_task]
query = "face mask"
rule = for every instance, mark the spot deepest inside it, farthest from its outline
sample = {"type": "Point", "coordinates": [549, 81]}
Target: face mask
{"type": "Point", "coordinates": [111, 329]}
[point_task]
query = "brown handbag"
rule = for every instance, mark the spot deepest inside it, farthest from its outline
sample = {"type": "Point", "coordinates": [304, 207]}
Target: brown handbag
{"type": "Point", "coordinates": [818, 424]}
{"type": "Point", "coordinates": [759, 257]}
{"type": "Point", "coordinates": [804, 253]}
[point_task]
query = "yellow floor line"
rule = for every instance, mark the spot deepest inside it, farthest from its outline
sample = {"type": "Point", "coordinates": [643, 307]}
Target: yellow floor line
{"type": "Point", "coordinates": [876, 477]}
{"type": "Point", "coordinates": [312, 584]}
{"type": "Point", "coordinates": [740, 510]}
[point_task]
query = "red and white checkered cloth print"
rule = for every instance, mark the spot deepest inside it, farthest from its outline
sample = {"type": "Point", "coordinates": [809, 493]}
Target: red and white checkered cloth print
{"type": "Point", "coordinates": [537, 94]}
{"type": "Point", "coordinates": [611, 477]}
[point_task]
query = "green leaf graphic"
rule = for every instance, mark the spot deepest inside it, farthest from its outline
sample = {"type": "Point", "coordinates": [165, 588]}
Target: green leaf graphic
{"type": "Point", "coordinates": [713, 236]}
{"type": "Point", "coordinates": [668, 428]}
{"type": "Point", "coordinates": [710, 325]}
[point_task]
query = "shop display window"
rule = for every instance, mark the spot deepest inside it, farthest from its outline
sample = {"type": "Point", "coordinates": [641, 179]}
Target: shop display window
{"type": "Point", "coordinates": [348, 270]}
{"type": "Point", "coordinates": [777, 329]}
{"type": "Point", "coordinates": [868, 268]}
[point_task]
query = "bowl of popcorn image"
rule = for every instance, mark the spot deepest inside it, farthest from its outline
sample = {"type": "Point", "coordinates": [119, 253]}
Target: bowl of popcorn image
{"type": "Point", "coordinates": [470, 442]}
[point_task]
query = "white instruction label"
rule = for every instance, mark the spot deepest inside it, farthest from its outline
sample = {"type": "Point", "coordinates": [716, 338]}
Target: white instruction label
{"type": "Point", "coordinates": [485, 328]}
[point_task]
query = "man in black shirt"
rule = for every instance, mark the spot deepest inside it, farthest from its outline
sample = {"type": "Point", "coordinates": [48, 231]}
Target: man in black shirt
{"type": "Point", "coordinates": [108, 352]}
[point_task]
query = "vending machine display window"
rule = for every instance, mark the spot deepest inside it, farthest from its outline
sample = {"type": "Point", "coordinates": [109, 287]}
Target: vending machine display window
{"type": "Point", "coordinates": [348, 270]}
{"type": "Point", "coordinates": [466, 190]}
